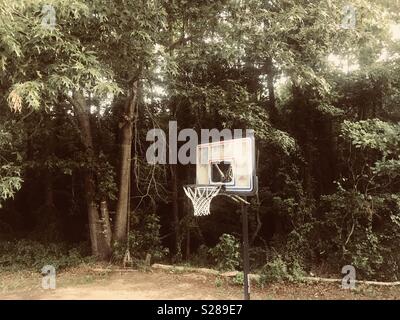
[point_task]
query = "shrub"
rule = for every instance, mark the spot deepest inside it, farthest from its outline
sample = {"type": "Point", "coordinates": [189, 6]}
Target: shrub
{"type": "Point", "coordinates": [226, 253]}
{"type": "Point", "coordinates": [360, 231]}
{"type": "Point", "coordinates": [27, 254]}
{"type": "Point", "coordinates": [144, 238]}
{"type": "Point", "coordinates": [275, 270]}
{"type": "Point", "coordinates": [279, 270]}
{"type": "Point", "coordinates": [238, 278]}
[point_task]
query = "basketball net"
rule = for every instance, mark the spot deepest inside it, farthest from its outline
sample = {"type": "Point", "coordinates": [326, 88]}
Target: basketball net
{"type": "Point", "coordinates": [201, 197]}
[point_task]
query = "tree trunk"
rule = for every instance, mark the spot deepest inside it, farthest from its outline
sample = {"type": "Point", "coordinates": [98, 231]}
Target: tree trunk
{"type": "Point", "coordinates": [175, 211]}
{"type": "Point", "coordinates": [128, 118]}
{"type": "Point", "coordinates": [105, 217]}
{"type": "Point", "coordinates": [269, 68]}
{"type": "Point", "coordinates": [98, 243]}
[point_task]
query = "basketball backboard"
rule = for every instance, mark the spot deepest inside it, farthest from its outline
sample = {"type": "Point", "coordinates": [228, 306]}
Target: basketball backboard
{"type": "Point", "coordinates": [229, 164]}
{"type": "Point", "coordinates": [226, 167]}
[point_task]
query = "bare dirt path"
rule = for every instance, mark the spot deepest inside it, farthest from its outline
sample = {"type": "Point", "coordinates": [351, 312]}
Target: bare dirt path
{"type": "Point", "coordinates": [83, 284]}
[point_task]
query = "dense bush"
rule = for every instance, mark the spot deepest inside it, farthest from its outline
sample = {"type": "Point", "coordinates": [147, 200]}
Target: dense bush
{"type": "Point", "coordinates": [144, 238]}
{"type": "Point", "coordinates": [275, 270]}
{"type": "Point", "coordinates": [226, 253]}
{"type": "Point", "coordinates": [27, 254]}
{"type": "Point", "coordinates": [347, 228]}
{"type": "Point", "coordinates": [360, 231]}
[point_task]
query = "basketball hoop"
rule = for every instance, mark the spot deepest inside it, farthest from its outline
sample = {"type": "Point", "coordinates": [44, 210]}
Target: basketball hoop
{"type": "Point", "coordinates": [226, 168]}
{"type": "Point", "coordinates": [201, 196]}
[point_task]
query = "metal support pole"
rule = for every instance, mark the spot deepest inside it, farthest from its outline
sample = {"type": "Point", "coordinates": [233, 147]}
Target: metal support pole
{"type": "Point", "coordinates": [245, 245]}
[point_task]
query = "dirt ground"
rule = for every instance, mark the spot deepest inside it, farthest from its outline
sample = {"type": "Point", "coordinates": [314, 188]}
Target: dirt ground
{"type": "Point", "coordinates": [86, 284]}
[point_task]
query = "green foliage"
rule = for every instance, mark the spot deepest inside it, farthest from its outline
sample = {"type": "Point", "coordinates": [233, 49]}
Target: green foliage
{"type": "Point", "coordinates": [10, 181]}
{"type": "Point", "coordinates": [10, 162]}
{"type": "Point", "coordinates": [33, 255]}
{"type": "Point", "coordinates": [219, 282]}
{"type": "Point", "coordinates": [279, 270]}
{"type": "Point", "coordinates": [275, 270]}
{"type": "Point", "coordinates": [359, 231]}
{"type": "Point", "coordinates": [361, 218]}
{"type": "Point", "coordinates": [226, 253]}
{"type": "Point", "coordinates": [28, 93]}
{"type": "Point", "coordinates": [107, 183]}
{"type": "Point", "coordinates": [238, 279]}
{"type": "Point", "coordinates": [374, 134]}
{"type": "Point", "coordinates": [144, 238]}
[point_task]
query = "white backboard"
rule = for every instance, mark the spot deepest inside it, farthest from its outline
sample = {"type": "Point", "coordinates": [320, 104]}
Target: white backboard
{"type": "Point", "coordinates": [230, 163]}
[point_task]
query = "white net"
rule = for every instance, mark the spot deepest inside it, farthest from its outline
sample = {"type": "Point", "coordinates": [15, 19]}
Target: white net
{"type": "Point", "coordinates": [201, 197]}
